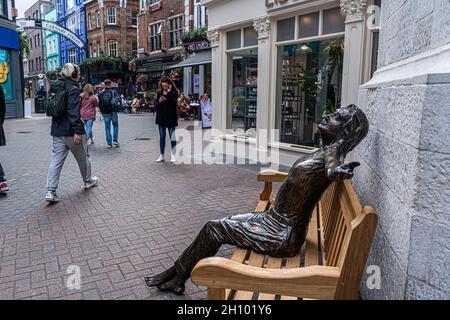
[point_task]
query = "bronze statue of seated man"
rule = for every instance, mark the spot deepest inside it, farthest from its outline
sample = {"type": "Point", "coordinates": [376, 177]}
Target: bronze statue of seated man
{"type": "Point", "coordinates": [280, 231]}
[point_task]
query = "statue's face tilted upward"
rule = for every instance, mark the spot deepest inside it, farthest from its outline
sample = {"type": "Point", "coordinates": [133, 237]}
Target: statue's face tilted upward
{"type": "Point", "coordinates": [349, 124]}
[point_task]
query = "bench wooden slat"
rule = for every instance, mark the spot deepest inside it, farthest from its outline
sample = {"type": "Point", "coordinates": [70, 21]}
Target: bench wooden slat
{"type": "Point", "coordinates": [255, 260]}
{"type": "Point", "coordinates": [273, 263]}
{"type": "Point", "coordinates": [292, 262]}
{"type": "Point", "coordinates": [239, 255]}
{"type": "Point", "coordinates": [337, 240]}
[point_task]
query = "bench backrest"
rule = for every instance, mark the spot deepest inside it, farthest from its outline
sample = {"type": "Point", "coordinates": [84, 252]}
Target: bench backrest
{"type": "Point", "coordinates": [347, 231]}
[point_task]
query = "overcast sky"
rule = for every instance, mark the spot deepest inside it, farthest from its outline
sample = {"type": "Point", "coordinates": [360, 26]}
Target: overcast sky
{"type": "Point", "coordinates": [23, 5]}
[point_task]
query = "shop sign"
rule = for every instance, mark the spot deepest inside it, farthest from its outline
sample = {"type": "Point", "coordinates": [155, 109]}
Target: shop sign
{"type": "Point", "coordinates": [5, 76]}
{"type": "Point", "coordinates": [197, 46]}
{"type": "Point", "coordinates": [52, 27]}
{"type": "Point", "coordinates": [276, 4]}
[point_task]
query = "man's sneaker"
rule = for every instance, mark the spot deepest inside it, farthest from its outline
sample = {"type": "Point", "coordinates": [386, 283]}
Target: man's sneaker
{"type": "Point", "coordinates": [51, 197]}
{"type": "Point", "coordinates": [172, 158]}
{"type": "Point", "coordinates": [91, 183]}
{"type": "Point", "coordinates": [116, 144]}
{"type": "Point", "coordinates": [3, 187]}
{"type": "Point", "coordinates": [109, 146]}
{"type": "Point", "coordinates": [90, 142]}
{"type": "Point", "coordinates": [160, 158]}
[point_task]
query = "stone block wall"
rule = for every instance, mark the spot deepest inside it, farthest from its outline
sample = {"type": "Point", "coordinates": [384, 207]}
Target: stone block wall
{"type": "Point", "coordinates": [405, 159]}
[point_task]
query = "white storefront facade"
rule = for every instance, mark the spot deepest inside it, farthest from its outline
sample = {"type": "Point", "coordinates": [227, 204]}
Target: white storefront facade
{"type": "Point", "coordinates": [278, 65]}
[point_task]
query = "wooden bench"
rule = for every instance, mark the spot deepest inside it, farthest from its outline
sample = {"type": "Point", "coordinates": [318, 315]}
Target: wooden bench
{"type": "Point", "coordinates": [330, 264]}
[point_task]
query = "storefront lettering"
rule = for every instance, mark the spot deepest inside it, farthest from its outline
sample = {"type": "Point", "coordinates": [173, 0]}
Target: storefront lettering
{"type": "Point", "coordinates": [197, 46]}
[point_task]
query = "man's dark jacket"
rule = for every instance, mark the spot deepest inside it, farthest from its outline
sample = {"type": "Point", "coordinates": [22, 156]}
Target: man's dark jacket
{"type": "Point", "coordinates": [70, 123]}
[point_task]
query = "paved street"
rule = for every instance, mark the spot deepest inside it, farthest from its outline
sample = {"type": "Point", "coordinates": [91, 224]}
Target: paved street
{"type": "Point", "coordinates": [136, 222]}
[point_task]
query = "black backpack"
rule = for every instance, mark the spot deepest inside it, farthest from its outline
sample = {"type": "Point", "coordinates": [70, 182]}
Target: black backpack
{"type": "Point", "coordinates": [55, 102]}
{"type": "Point", "coordinates": [105, 101]}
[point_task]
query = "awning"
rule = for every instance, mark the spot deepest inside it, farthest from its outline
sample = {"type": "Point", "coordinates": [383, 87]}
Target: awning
{"type": "Point", "coordinates": [196, 59]}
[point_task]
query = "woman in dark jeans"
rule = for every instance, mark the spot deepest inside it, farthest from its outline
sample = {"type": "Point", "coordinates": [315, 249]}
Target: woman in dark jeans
{"type": "Point", "coordinates": [166, 115]}
{"type": "Point", "coordinates": [3, 186]}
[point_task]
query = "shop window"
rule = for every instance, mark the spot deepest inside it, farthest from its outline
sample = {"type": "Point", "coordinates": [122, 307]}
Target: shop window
{"type": "Point", "coordinates": [175, 30]}
{"type": "Point", "coordinates": [309, 85]}
{"type": "Point", "coordinates": [243, 92]}
{"type": "Point", "coordinates": [234, 39]}
{"type": "Point", "coordinates": [309, 25]}
{"type": "Point", "coordinates": [333, 21]}
{"type": "Point", "coordinates": [286, 29]}
{"type": "Point", "coordinates": [250, 37]}
{"type": "Point", "coordinates": [375, 37]}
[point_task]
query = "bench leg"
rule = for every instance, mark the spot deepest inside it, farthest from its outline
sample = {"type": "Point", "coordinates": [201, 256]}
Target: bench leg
{"type": "Point", "coordinates": [216, 294]}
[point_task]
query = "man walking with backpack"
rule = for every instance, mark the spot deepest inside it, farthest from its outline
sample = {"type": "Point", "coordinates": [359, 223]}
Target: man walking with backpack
{"type": "Point", "coordinates": [63, 105]}
{"type": "Point", "coordinates": [109, 103]}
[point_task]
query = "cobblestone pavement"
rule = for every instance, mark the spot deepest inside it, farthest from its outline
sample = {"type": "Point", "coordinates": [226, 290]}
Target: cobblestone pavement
{"type": "Point", "coordinates": [136, 222]}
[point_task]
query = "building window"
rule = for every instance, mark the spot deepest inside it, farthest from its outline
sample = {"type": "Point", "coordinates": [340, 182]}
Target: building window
{"type": "Point", "coordinates": [309, 84]}
{"type": "Point", "coordinates": [154, 38]}
{"type": "Point", "coordinates": [112, 48]}
{"type": "Point", "coordinates": [99, 53]}
{"type": "Point", "coordinates": [142, 5]}
{"type": "Point", "coordinates": [70, 4]}
{"type": "Point", "coordinates": [38, 40]}
{"type": "Point", "coordinates": [199, 15]}
{"type": "Point", "coordinates": [375, 38]}
{"type": "Point", "coordinates": [89, 21]}
{"type": "Point", "coordinates": [97, 19]}
{"type": "Point", "coordinates": [134, 18]}
{"type": "Point", "coordinates": [31, 43]}
{"type": "Point", "coordinates": [3, 8]}
{"type": "Point", "coordinates": [54, 46]}
{"type": "Point", "coordinates": [72, 55]}
{"type": "Point", "coordinates": [71, 25]}
{"type": "Point", "coordinates": [175, 30]}
{"type": "Point", "coordinates": [112, 15]}
{"type": "Point", "coordinates": [242, 62]}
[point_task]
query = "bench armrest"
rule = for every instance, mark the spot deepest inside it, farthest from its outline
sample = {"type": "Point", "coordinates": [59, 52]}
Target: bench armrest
{"type": "Point", "coordinates": [218, 274]}
{"type": "Point", "coordinates": [268, 177]}
{"type": "Point", "coordinates": [271, 176]}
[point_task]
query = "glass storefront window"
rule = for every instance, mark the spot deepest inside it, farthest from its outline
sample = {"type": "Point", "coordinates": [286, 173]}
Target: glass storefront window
{"type": "Point", "coordinates": [250, 37]}
{"type": "Point", "coordinates": [286, 29]}
{"type": "Point", "coordinates": [243, 76]}
{"type": "Point", "coordinates": [333, 21]}
{"type": "Point", "coordinates": [234, 39]}
{"type": "Point", "coordinates": [309, 85]}
{"type": "Point", "coordinates": [309, 25]}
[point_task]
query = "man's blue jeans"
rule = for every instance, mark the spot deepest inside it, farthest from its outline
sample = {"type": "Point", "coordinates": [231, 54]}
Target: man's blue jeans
{"type": "Point", "coordinates": [114, 118]}
{"type": "Point", "coordinates": [162, 138]}
{"type": "Point", "coordinates": [88, 124]}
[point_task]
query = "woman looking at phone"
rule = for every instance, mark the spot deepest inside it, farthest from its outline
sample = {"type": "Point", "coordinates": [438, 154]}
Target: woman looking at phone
{"type": "Point", "coordinates": [166, 115]}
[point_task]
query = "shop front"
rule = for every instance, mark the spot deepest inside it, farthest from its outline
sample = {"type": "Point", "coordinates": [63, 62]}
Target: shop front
{"type": "Point", "coordinates": [10, 71]}
{"type": "Point", "coordinates": [196, 68]}
{"type": "Point", "coordinates": [279, 66]}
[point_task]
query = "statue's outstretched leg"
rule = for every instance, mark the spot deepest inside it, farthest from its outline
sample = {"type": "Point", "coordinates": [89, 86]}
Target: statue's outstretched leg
{"type": "Point", "coordinates": [161, 277]}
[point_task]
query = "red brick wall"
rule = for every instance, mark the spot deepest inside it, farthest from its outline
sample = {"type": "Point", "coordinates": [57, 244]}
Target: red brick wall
{"type": "Point", "coordinates": [123, 32]}
{"type": "Point", "coordinates": [163, 11]}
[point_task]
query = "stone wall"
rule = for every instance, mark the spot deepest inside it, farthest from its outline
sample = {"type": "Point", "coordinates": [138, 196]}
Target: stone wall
{"type": "Point", "coordinates": [406, 157]}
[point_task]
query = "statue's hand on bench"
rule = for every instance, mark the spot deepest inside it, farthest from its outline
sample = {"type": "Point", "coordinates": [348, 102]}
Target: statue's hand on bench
{"type": "Point", "coordinates": [345, 171]}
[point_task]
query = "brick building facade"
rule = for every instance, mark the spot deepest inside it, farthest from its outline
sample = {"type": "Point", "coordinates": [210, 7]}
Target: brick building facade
{"type": "Point", "coordinates": [160, 26]}
{"type": "Point", "coordinates": [112, 27]}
